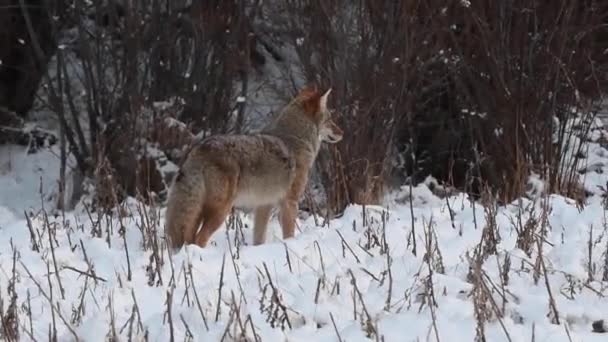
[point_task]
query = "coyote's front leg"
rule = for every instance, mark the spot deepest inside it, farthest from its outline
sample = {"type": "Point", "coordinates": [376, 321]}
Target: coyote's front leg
{"type": "Point", "coordinates": [287, 217]}
{"type": "Point", "coordinates": [289, 204]}
{"type": "Point", "coordinates": [260, 225]}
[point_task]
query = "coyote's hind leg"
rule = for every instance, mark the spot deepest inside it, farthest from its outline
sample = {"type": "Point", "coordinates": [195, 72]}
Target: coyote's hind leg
{"type": "Point", "coordinates": [212, 220]}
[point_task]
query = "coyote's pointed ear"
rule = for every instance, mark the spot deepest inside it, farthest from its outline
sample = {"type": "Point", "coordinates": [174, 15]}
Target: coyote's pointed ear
{"type": "Point", "coordinates": [310, 100]}
{"type": "Point", "coordinates": [323, 101]}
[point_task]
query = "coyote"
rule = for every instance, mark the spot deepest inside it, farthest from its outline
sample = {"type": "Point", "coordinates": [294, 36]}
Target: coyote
{"type": "Point", "coordinates": [255, 171]}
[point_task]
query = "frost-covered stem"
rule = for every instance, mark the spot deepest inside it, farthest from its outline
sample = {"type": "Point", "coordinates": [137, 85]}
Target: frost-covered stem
{"type": "Point", "coordinates": [198, 302]}
{"type": "Point", "coordinates": [35, 247]}
{"type": "Point", "coordinates": [49, 298]}
{"type": "Point", "coordinates": [12, 316]}
{"type": "Point", "coordinates": [276, 299]}
{"type": "Point", "coordinates": [237, 310]}
{"type": "Point", "coordinates": [29, 313]}
{"type": "Point", "coordinates": [503, 271]}
{"type": "Point", "coordinates": [220, 286]}
{"type": "Point", "coordinates": [316, 243]}
{"type": "Point", "coordinates": [235, 222]}
{"type": "Point", "coordinates": [124, 239]}
{"type": "Point", "coordinates": [474, 207]}
{"type": "Point", "coordinates": [568, 332]}
{"type": "Point", "coordinates": [450, 211]}
{"type": "Point", "coordinates": [114, 337]}
{"type": "Point", "coordinates": [230, 320]}
{"type": "Point", "coordinates": [109, 225]}
{"type": "Point", "coordinates": [91, 270]}
{"type": "Point", "coordinates": [497, 310]}
{"type": "Point", "coordinates": [130, 323]}
{"type": "Point", "coordinates": [150, 229]}
{"type": "Point", "coordinates": [344, 243]}
{"type": "Point", "coordinates": [387, 249]}
{"type": "Point", "coordinates": [287, 257]}
{"type": "Point", "coordinates": [555, 319]}
{"type": "Point", "coordinates": [333, 322]}
{"type": "Point", "coordinates": [57, 274]}
{"type": "Point", "coordinates": [8, 334]}
{"type": "Point", "coordinates": [236, 270]}
{"type": "Point", "coordinates": [478, 293]}
{"type": "Point", "coordinates": [53, 333]}
{"type": "Point", "coordinates": [79, 312]}
{"type": "Point", "coordinates": [590, 267]}
{"type": "Point", "coordinates": [140, 325]}
{"type": "Point", "coordinates": [318, 290]}
{"type": "Point", "coordinates": [430, 287]}
{"type": "Point", "coordinates": [255, 334]}
{"type": "Point", "coordinates": [169, 315]}
{"type": "Point", "coordinates": [412, 238]}
{"type": "Point", "coordinates": [369, 322]}
{"type": "Point", "coordinates": [188, 331]}
{"type": "Point", "coordinates": [187, 286]}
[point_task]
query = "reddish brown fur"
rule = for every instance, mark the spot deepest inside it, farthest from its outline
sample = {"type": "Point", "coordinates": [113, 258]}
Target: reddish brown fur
{"type": "Point", "coordinates": [309, 99]}
{"type": "Point", "coordinates": [216, 211]}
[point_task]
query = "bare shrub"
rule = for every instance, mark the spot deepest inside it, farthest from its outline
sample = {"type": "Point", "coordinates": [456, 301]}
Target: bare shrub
{"type": "Point", "coordinates": [477, 94]}
{"type": "Point", "coordinates": [117, 67]}
{"type": "Point", "coordinates": [523, 69]}
{"type": "Point", "coordinates": [365, 52]}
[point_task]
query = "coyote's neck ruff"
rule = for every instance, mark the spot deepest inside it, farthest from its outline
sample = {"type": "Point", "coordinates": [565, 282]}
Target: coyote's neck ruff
{"type": "Point", "coordinates": [258, 171]}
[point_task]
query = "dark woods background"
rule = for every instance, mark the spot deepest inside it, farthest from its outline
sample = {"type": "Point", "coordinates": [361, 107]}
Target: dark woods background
{"type": "Point", "coordinates": [476, 93]}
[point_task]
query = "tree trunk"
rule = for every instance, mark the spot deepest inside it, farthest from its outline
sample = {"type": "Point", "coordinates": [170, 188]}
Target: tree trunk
{"type": "Point", "coordinates": [21, 68]}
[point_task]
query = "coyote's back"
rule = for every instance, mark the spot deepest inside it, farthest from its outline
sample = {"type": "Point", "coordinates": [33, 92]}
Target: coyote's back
{"type": "Point", "coordinates": [257, 171]}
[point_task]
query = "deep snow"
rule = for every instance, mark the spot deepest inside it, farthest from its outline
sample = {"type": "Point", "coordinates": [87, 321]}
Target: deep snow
{"type": "Point", "coordinates": [316, 298]}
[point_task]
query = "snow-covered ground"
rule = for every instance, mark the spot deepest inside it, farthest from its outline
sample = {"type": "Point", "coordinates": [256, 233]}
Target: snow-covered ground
{"type": "Point", "coordinates": [355, 278]}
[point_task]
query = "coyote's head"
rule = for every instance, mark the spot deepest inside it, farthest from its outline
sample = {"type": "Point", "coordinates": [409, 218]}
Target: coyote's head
{"type": "Point", "coordinates": [315, 107]}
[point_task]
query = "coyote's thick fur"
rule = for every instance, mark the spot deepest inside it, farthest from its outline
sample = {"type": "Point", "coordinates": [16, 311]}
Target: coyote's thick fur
{"type": "Point", "coordinates": [257, 171]}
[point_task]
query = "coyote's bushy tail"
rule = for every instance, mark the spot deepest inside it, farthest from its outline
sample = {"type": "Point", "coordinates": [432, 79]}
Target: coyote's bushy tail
{"type": "Point", "coordinates": [183, 210]}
